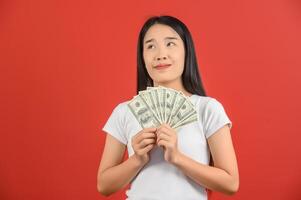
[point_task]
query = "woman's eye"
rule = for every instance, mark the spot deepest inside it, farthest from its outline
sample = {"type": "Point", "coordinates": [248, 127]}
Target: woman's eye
{"type": "Point", "coordinates": [150, 46]}
{"type": "Point", "coordinates": [168, 44]}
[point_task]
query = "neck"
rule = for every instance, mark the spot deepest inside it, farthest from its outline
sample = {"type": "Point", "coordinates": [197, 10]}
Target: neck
{"type": "Point", "coordinates": [174, 85]}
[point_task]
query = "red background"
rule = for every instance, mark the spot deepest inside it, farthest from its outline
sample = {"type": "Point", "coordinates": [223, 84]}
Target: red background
{"type": "Point", "coordinates": [66, 64]}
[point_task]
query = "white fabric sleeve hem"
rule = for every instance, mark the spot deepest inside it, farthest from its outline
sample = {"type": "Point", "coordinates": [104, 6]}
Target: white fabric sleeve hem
{"type": "Point", "coordinates": [215, 117]}
{"type": "Point", "coordinates": [213, 131]}
{"type": "Point", "coordinates": [114, 135]}
{"type": "Point", "coordinates": [115, 125]}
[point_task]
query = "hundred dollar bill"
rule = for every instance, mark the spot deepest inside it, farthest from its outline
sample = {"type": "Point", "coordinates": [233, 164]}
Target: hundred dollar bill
{"type": "Point", "coordinates": [192, 115]}
{"type": "Point", "coordinates": [160, 97]}
{"type": "Point", "coordinates": [185, 110]}
{"type": "Point", "coordinates": [161, 94]}
{"type": "Point", "coordinates": [159, 102]}
{"type": "Point", "coordinates": [190, 119]}
{"type": "Point", "coordinates": [180, 100]}
{"type": "Point", "coordinates": [149, 101]}
{"type": "Point", "coordinates": [155, 97]}
{"type": "Point", "coordinates": [168, 106]}
{"type": "Point", "coordinates": [142, 113]}
{"type": "Point", "coordinates": [170, 98]}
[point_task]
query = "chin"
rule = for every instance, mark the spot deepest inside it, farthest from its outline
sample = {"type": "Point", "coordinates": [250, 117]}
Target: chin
{"type": "Point", "coordinates": [163, 82]}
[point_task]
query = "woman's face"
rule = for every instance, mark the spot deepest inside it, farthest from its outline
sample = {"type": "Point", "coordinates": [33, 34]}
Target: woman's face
{"type": "Point", "coordinates": [164, 54]}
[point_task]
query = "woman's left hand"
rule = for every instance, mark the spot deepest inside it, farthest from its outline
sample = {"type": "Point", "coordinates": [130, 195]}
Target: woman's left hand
{"type": "Point", "coordinates": [167, 138]}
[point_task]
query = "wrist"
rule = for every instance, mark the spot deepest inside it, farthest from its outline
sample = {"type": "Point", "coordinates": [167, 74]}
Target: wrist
{"type": "Point", "coordinates": [177, 158]}
{"type": "Point", "coordinates": [137, 162]}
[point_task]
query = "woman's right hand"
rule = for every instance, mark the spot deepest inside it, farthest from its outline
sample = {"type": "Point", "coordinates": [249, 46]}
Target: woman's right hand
{"type": "Point", "coordinates": [142, 143]}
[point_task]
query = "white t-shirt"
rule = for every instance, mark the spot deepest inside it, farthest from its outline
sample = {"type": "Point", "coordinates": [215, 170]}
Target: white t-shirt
{"type": "Point", "coordinates": [158, 179]}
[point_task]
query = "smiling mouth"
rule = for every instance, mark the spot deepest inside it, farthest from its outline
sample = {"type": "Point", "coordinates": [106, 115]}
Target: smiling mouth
{"type": "Point", "coordinates": [163, 66]}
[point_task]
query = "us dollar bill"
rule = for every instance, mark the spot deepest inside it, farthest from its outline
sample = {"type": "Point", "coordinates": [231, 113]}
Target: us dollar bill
{"type": "Point", "coordinates": [185, 110]}
{"type": "Point", "coordinates": [170, 99]}
{"type": "Point", "coordinates": [180, 99]}
{"type": "Point", "coordinates": [150, 102]}
{"type": "Point", "coordinates": [159, 102]}
{"type": "Point", "coordinates": [192, 118]}
{"type": "Point", "coordinates": [143, 113]}
{"type": "Point", "coordinates": [155, 100]}
{"type": "Point", "coordinates": [157, 105]}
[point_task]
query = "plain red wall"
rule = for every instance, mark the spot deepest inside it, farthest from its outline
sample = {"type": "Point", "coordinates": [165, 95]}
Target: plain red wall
{"type": "Point", "coordinates": [66, 64]}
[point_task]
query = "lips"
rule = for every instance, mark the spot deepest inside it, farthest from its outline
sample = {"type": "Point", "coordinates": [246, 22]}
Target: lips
{"type": "Point", "coordinates": [162, 66]}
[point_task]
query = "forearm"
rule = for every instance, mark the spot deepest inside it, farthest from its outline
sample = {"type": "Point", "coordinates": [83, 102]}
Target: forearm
{"type": "Point", "coordinates": [115, 178]}
{"type": "Point", "coordinates": [209, 177]}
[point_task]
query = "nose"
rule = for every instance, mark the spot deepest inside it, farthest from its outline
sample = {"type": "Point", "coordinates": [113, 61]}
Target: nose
{"type": "Point", "coordinates": [161, 53]}
{"type": "Point", "coordinates": [161, 58]}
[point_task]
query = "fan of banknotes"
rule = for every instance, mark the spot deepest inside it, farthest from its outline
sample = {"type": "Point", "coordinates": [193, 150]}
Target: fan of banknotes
{"type": "Point", "coordinates": [157, 105]}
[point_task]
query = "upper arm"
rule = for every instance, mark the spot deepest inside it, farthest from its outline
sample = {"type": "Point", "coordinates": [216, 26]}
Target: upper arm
{"type": "Point", "coordinates": [112, 154]}
{"type": "Point", "coordinates": [222, 150]}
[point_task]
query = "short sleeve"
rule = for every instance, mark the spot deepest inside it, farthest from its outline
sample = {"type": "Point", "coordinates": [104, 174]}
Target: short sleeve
{"type": "Point", "coordinates": [214, 117]}
{"type": "Point", "coordinates": [116, 123]}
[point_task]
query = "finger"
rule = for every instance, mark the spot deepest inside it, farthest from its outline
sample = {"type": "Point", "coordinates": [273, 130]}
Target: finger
{"type": "Point", "coordinates": [163, 137]}
{"type": "Point", "coordinates": [146, 130]}
{"type": "Point", "coordinates": [168, 127]}
{"type": "Point", "coordinates": [151, 129]}
{"type": "Point", "coordinates": [163, 130]}
{"type": "Point", "coordinates": [146, 142]}
{"type": "Point", "coordinates": [145, 136]}
{"type": "Point", "coordinates": [162, 143]}
{"type": "Point", "coordinates": [164, 125]}
{"type": "Point", "coordinates": [147, 148]}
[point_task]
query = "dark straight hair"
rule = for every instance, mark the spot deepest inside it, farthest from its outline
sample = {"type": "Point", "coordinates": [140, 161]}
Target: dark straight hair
{"type": "Point", "coordinates": [191, 79]}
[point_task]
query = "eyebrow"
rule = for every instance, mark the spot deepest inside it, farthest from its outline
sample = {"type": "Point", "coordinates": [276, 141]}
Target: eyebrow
{"type": "Point", "coordinates": [170, 38]}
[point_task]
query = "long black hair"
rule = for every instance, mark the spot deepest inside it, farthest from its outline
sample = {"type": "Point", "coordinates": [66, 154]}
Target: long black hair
{"type": "Point", "coordinates": [191, 79]}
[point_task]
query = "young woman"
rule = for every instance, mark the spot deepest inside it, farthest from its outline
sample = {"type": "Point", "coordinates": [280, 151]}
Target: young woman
{"type": "Point", "coordinates": [165, 163]}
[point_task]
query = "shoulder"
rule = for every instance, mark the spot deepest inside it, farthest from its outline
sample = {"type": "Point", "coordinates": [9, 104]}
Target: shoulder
{"type": "Point", "coordinates": [202, 102]}
{"type": "Point", "coordinates": [122, 105]}
{"type": "Point", "coordinates": [207, 105]}
{"type": "Point", "coordinates": [119, 114]}
{"type": "Point", "coordinates": [121, 108]}
{"type": "Point", "coordinates": [205, 100]}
